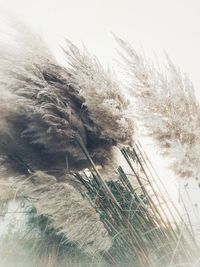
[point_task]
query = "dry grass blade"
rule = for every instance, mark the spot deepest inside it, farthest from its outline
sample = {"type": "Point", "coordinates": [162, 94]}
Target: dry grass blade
{"type": "Point", "coordinates": [138, 218]}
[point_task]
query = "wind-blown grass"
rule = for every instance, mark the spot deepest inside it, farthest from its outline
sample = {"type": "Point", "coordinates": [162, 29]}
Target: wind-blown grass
{"type": "Point", "coordinates": [54, 116]}
{"type": "Point", "coordinates": [145, 227]}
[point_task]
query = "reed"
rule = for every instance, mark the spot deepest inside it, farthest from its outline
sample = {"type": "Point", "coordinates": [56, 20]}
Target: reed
{"type": "Point", "coordinates": [145, 227]}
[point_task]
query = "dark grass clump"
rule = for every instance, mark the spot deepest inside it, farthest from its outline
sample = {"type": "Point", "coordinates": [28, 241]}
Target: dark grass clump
{"type": "Point", "coordinates": [146, 228]}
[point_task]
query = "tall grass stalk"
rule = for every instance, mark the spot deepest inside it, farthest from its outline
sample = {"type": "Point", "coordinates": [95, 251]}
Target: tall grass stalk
{"type": "Point", "coordinates": [146, 227]}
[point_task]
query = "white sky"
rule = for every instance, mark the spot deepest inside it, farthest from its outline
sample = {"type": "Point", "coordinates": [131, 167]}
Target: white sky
{"type": "Point", "coordinates": [153, 25]}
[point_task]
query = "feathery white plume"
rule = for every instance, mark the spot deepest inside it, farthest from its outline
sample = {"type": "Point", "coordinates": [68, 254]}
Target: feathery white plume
{"type": "Point", "coordinates": [168, 108]}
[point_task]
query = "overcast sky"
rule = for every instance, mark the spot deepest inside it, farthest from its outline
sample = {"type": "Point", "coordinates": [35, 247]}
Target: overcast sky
{"type": "Point", "coordinates": [154, 25]}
